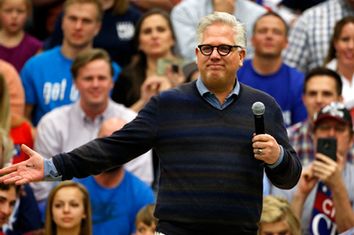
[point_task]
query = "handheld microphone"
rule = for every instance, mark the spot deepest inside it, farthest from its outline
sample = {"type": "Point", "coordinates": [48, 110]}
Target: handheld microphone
{"type": "Point", "coordinates": [258, 109]}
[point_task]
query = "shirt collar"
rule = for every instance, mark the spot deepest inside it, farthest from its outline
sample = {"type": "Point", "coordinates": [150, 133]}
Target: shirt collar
{"type": "Point", "coordinates": [202, 89]}
{"type": "Point", "coordinates": [98, 118]}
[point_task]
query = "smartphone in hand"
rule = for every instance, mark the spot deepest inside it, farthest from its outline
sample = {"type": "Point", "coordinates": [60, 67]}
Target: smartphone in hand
{"type": "Point", "coordinates": [328, 147]}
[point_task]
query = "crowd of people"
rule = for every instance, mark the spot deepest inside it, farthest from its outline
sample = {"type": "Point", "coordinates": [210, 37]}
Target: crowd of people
{"type": "Point", "coordinates": [143, 109]}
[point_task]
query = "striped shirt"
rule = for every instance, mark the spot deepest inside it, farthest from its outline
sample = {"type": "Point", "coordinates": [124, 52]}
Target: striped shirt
{"type": "Point", "coordinates": [310, 37]}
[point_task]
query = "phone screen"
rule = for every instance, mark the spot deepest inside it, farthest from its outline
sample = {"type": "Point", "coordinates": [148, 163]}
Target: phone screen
{"type": "Point", "coordinates": [163, 64]}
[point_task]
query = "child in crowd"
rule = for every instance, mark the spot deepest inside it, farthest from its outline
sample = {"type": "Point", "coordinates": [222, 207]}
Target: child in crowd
{"type": "Point", "coordinates": [16, 46]}
{"type": "Point", "coordinates": [278, 217]}
{"type": "Point", "coordinates": [145, 221]}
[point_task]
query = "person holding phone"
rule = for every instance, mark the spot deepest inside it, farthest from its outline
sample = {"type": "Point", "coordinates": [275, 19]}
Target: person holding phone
{"type": "Point", "coordinates": [333, 130]}
{"type": "Point", "coordinates": [150, 71]}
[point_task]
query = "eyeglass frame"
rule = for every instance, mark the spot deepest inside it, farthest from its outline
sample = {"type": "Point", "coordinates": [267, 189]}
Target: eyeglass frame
{"type": "Point", "coordinates": [217, 49]}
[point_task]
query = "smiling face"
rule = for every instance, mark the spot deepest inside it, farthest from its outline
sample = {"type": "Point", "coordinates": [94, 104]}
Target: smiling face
{"type": "Point", "coordinates": [219, 72]}
{"type": "Point", "coordinates": [320, 91]}
{"type": "Point", "coordinates": [155, 37]}
{"type": "Point", "coordinates": [344, 46]}
{"type": "Point", "coordinates": [80, 25]}
{"type": "Point", "coordinates": [13, 15]}
{"type": "Point", "coordinates": [68, 208]}
{"type": "Point", "coordinates": [94, 82]}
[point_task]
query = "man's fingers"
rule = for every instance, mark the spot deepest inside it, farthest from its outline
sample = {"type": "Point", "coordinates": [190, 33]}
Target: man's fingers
{"type": "Point", "coordinates": [22, 181]}
{"type": "Point", "coordinates": [27, 150]}
{"type": "Point", "coordinates": [11, 178]}
{"type": "Point", "coordinates": [7, 170]}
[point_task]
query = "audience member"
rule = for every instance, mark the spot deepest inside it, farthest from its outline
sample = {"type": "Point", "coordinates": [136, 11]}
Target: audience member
{"type": "Point", "coordinates": [278, 218]}
{"type": "Point", "coordinates": [290, 10]}
{"type": "Point", "coordinates": [116, 194]}
{"type": "Point", "coordinates": [203, 133]}
{"type": "Point", "coordinates": [70, 126]}
{"type": "Point", "coordinates": [26, 215]}
{"type": "Point", "coordinates": [145, 221]}
{"type": "Point", "coordinates": [267, 72]}
{"type": "Point", "coordinates": [68, 210]}
{"type": "Point", "coordinates": [321, 87]}
{"type": "Point", "coordinates": [14, 85]}
{"type": "Point", "coordinates": [340, 57]}
{"type": "Point", "coordinates": [5, 121]}
{"type": "Point", "coordinates": [8, 196]}
{"type": "Point", "coordinates": [116, 33]}
{"type": "Point", "coordinates": [6, 148]}
{"type": "Point", "coordinates": [16, 46]}
{"type": "Point", "coordinates": [46, 77]}
{"type": "Point", "coordinates": [154, 39]}
{"type": "Point", "coordinates": [315, 198]}
{"type": "Point", "coordinates": [17, 126]}
{"type": "Point", "coordinates": [310, 36]}
{"type": "Point", "coordinates": [186, 15]}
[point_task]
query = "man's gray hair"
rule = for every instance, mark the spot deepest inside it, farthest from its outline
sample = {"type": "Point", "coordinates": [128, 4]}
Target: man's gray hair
{"type": "Point", "coordinates": [224, 18]}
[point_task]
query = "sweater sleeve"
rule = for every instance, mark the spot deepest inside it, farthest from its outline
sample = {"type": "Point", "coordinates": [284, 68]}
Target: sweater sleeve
{"type": "Point", "coordinates": [287, 173]}
{"type": "Point", "coordinates": [134, 139]}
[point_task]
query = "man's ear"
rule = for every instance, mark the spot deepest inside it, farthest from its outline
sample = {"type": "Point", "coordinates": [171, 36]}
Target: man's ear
{"type": "Point", "coordinates": [242, 55]}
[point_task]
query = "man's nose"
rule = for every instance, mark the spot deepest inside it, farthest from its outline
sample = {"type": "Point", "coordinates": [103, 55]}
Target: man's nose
{"type": "Point", "coordinates": [215, 53]}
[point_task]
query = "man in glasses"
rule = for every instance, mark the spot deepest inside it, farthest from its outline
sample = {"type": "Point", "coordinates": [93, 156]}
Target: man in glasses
{"type": "Point", "coordinates": [186, 15]}
{"type": "Point", "coordinates": [211, 163]}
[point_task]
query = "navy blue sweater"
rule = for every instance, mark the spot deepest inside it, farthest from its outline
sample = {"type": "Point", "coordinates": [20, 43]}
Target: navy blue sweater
{"type": "Point", "coordinates": [210, 180]}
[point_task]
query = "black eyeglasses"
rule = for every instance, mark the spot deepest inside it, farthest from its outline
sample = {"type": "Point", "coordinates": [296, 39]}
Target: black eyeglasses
{"type": "Point", "coordinates": [223, 49]}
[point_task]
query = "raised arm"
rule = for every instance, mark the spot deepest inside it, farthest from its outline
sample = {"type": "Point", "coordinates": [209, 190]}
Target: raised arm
{"type": "Point", "coordinates": [330, 172]}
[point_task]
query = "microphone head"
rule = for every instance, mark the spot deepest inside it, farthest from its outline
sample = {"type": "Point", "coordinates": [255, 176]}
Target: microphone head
{"type": "Point", "coordinates": [258, 108]}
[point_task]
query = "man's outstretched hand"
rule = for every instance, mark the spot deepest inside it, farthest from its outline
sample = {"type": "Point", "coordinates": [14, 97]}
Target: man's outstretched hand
{"type": "Point", "coordinates": [24, 172]}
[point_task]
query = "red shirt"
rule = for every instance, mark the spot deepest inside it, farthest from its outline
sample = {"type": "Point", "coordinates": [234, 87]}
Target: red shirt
{"type": "Point", "coordinates": [21, 134]}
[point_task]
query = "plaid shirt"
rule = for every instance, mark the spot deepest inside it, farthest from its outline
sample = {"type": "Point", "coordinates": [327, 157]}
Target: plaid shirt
{"type": "Point", "coordinates": [301, 139]}
{"type": "Point", "coordinates": [310, 37]}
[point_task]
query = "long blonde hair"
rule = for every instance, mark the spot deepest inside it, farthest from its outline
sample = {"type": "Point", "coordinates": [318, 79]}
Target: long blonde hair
{"type": "Point", "coordinates": [5, 118]}
{"type": "Point", "coordinates": [6, 151]}
{"type": "Point", "coordinates": [5, 122]}
{"type": "Point", "coordinates": [86, 223]}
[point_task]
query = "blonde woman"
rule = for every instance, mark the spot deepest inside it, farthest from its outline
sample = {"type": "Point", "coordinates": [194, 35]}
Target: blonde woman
{"type": "Point", "coordinates": [278, 218]}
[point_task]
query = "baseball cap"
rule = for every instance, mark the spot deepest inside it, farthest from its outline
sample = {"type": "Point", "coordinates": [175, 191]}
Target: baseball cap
{"type": "Point", "coordinates": [336, 111]}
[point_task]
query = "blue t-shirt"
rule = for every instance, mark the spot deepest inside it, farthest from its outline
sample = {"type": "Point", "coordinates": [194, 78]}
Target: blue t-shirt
{"type": "Point", "coordinates": [285, 86]}
{"type": "Point", "coordinates": [114, 209]}
{"type": "Point", "coordinates": [48, 84]}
